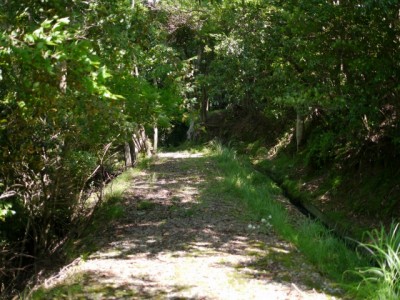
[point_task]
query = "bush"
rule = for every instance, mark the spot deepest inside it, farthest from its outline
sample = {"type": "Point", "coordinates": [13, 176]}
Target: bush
{"type": "Point", "coordinates": [321, 149]}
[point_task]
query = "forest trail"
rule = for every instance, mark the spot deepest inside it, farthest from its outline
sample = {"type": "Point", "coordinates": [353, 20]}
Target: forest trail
{"type": "Point", "coordinates": [180, 238]}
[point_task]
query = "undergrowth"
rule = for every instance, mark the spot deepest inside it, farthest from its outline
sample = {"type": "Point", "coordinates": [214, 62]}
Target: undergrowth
{"type": "Point", "coordinates": [383, 279]}
{"type": "Point", "coordinates": [329, 254]}
{"type": "Point", "coordinates": [110, 209]}
{"type": "Point", "coordinates": [113, 195]}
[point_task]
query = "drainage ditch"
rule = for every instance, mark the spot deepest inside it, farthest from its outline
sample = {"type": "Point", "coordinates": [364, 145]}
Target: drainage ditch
{"type": "Point", "coordinates": [312, 212]}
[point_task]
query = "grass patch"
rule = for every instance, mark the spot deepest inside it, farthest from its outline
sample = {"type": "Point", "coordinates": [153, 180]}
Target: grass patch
{"type": "Point", "coordinates": [59, 292]}
{"type": "Point", "coordinates": [145, 162]}
{"type": "Point", "coordinates": [189, 147]}
{"type": "Point", "coordinates": [111, 207]}
{"type": "Point", "coordinates": [82, 286]}
{"type": "Point", "coordinates": [145, 205]}
{"type": "Point", "coordinates": [257, 192]}
{"type": "Point", "coordinates": [118, 186]}
{"type": "Point", "coordinates": [383, 279]}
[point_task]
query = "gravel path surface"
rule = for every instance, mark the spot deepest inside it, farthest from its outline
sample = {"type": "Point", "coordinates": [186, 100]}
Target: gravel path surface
{"type": "Point", "coordinates": [180, 239]}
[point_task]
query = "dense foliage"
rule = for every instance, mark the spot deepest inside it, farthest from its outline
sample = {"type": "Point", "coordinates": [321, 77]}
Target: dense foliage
{"type": "Point", "coordinates": [77, 80]}
{"type": "Point", "coordinates": [335, 62]}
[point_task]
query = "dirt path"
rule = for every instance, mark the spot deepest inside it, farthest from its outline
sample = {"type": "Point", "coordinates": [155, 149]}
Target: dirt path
{"type": "Point", "coordinates": [180, 239]}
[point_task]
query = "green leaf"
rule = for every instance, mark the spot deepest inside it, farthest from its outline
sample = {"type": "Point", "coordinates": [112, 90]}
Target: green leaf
{"type": "Point", "coordinates": [6, 211]}
{"type": "Point", "coordinates": [29, 38]}
{"type": "Point", "coordinates": [60, 24]}
{"type": "Point", "coordinates": [46, 23]}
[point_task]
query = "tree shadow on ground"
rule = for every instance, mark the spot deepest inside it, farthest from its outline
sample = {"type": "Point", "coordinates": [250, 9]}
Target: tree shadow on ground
{"type": "Point", "coordinates": [90, 285]}
{"type": "Point", "coordinates": [176, 210]}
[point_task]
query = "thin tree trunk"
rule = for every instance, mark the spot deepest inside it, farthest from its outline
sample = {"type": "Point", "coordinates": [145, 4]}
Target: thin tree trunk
{"type": "Point", "coordinates": [190, 132]}
{"type": "Point", "coordinates": [144, 141]}
{"type": "Point", "coordinates": [136, 141]}
{"type": "Point", "coordinates": [204, 104]}
{"type": "Point", "coordinates": [155, 142]}
{"type": "Point", "coordinates": [128, 157]}
{"type": "Point", "coordinates": [299, 128]}
{"type": "Point", "coordinates": [148, 147]}
{"type": "Point", "coordinates": [132, 148]}
{"type": "Point", "coordinates": [63, 79]}
{"type": "Point", "coordinates": [142, 138]}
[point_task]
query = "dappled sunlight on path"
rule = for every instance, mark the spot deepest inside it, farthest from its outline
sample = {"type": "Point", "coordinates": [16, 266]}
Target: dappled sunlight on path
{"type": "Point", "coordinates": [179, 155]}
{"type": "Point", "coordinates": [180, 239]}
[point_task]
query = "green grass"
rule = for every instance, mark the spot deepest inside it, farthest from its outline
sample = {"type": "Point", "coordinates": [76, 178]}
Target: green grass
{"type": "Point", "coordinates": [293, 177]}
{"type": "Point", "coordinates": [118, 186]}
{"type": "Point", "coordinates": [188, 147]}
{"type": "Point", "coordinates": [145, 205]}
{"type": "Point", "coordinates": [79, 286]}
{"type": "Point", "coordinates": [257, 193]}
{"type": "Point", "coordinates": [111, 207]}
{"type": "Point", "coordinates": [383, 280]}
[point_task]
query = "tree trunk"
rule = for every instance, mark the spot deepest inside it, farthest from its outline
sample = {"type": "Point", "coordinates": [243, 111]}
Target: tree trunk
{"type": "Point", "coordinates": [190, 132]}
{"type": "Point", "coordinates": [132, 149]}
{"type": "Point", "coordinates": [135, 138]}
{"type": "Point", "coordinates": [142, 139]}
{"type": "Point", "coordinates": [63, 78]}
{"type": "Point", "coordinates": [128, 156]}
{"type": "Point", "coordinates": [299, 128]}
{"type": "Point", "coordinates": [148, 147]}
{"type": "Point", "coordinates": [204, 104]}
{"type": "Point", "coordinates": [155, 143]}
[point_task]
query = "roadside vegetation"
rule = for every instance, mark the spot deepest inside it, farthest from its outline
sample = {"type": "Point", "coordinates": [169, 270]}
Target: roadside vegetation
{"type": "Point", "coordinates": [258, 195]}
{"type": "Point", "coordinates": [88, 241]}
{"type": "Point", "coordinates": [382, 280]}
{"type": "Point", "coordinates": [330, 254]}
